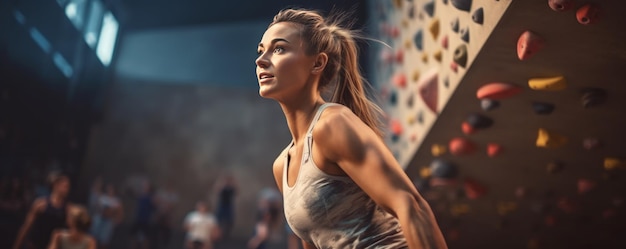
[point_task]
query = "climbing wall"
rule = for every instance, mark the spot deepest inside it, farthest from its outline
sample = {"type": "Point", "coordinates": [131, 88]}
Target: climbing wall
{"type": "Point", "coordinates": [428, 47]}
{"type": "Point", "coordinates": [527, 148]}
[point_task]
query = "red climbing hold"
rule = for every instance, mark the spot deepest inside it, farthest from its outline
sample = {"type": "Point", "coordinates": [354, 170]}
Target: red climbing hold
{"type": "Point", "coordinates": [396, 127]}
{"type": "Point", "coordinates": [587, 14]}
{"type": "Point", "coordinates": [429, 90]}
{"type": "Point", "coordinates": [493, 149]}
{"type": "Point", "coordinates": [473, 189]}
{"type": "Point", "coordinates": [399, 56]}
{"type": "Point", "coordinates": [467, 128]}
{"type": "Point", "coordinates": [528, 44]}
{"type": "Point", "coordinates": [497, 90]}
{"type": "Point", "coordinates": [585, 185]}
{"type": "Point", "coordinates": [444, 42]}
{"type": "Point", "coordinates": [561, 5]}
{"type": "Point", "coordinates": [399, 80]}
{"type": "Point", "coordinates": [461, 146]}
{"type": "Point", "coordinates": [454, 67]}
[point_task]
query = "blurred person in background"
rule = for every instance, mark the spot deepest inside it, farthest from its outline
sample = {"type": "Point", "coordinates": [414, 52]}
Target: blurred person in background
{"type": "Point", "coordinates": [109, 213]}
{"type": "Point", "coordinates": [142, 230]}
{"type": "Point", "coordinates": [201, 227]}
{"type": "Point", "coordinates": [166, 200]}
{"type": "Point", "coordinates": [46, 214]}
{"type": "Point", "coordinates": [225, 192]}
{"type": "Point", "coordinates": [76, 236]}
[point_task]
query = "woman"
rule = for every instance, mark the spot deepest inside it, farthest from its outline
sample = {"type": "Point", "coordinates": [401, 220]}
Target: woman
{"type": "Point", "coordinates": [76, 237]}
{"type": "Point", "coordinates": [342, 187]}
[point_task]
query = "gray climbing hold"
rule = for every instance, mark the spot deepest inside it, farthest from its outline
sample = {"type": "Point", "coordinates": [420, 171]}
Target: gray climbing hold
{"type": "Point", "coordinates": [477, 17]}
{"type": "Point", "coordinates": [478, 121]}
{"type": "Point", "coordinates": [463, 5]}
{"type": "Point", "coordinates": [443, 169]}
{"type": "Point", "coordinates": [543, 108]}
{"type": "Point", "coordinates": [489, 104]}
{"type": "Point", "coordinates": [460, 55]}
{"type": "Point", "coordinates": [409, 101]}
{"type": "Point", "coordinates": [420, 117]}
{"type": "Point", "coordinates": [446, 82]}
{"type": "Point", "coordinates": [465, 36]}
{"type": "Point", "coordinates": [455, 25]}
{"type": "Point", "coordinates": [418, 39]}
{"type": "Point", "coordinates": [429, 8]}
{"type": "Point", "coordinates": [412, 11]}
{"type": "Point", "coordinates": [445, 1]}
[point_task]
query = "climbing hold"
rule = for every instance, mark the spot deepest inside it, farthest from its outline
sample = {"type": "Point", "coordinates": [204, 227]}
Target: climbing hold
{"type": "Point", "coordinates": [473, 189]}
{"type": "Point", "coordinates": [436, 181]}
{"type": "Point", "coordinates": [411, 11]}
{"type": "Point", "coordinates": [612, 163]}
{"type": "Point", "coordinates": [413, 137]}
{"type": "Point", "coordinates": [386, 56]}
{"type": "Point", "coordinates": [410, 119]}
{"type": "Point", "coordinates": [394, 32]}
{"type": "Point", "coordinates": [425, 172]}
{"type": "Point", "coordinates": [393, 98]}
{"type": "Point", "coordinates": [434, 28]}
{"type": "Point", "coordinates": [478, 121]}
{"type": "Point", "coordinates": [425, 57]}
{"type": "Point", "coordinates": [546, 139]}
{"type": "Point", "coordinates": [459, 209]}
{"type": "Point", "coordinates": [437, 55]}
{"type": "Point", "coordinates": [463, 5]}
{"type": "Point", "coordinates": [418, 39]}
{"type": "Point", "coordinates": [477, 17]}
{"type": "Point", "coordinates": [409, 102]}
{"type": "Point", "coordinates": [593, 96]}
{"type": "Point", "coordinates": [543, 108]}
{"type": "Point", "coordinates": [467, 128]}
{"type": "Point", "coordinates": [548, 84]}
{"type": "Point", "coordinates": [528, 45]}
{"type": "Point", "coordinates": [445, 1]}
{"type": "Point", "coordinates": [497, 90]}
{"type": "Point", "coordinates": [429, 8]}
{"type": "Point", "coordinates": [561, 5]}
{"type": "Point", "coordinates": [446, 82]}
{"type": "Point", "coordinates": [440, 168]}
{"type": "Point", "coordinates": [420, 117]}
{"type": "Point", "coordinates": [506, 207]}
{"type": "Point", "coordinates": [567, 205]}
{"type": "Point", "coordinates": [592, 143]}
{"type": "Point", "coordinates": [521, 192]}
{"type": "Point", "coordinates": [461, 146]}
{"type": "Point", "coordinates": [428, 89]}
{"type": "Point", "coordinates": [438, 149]}
{"type": "Point", "coordinates": [397, 4]}
{"type": "Point", "coordinates": [399, 80]}
{"type": "Point", "coordinates": [585, 185]}
{"type": "Point", "coordinates": [416, 75]}
{"type": "Point", "coordinates": [489, 104]}
{"type": "Point", "coordinates": [587, 14]}
{"type": "Point", "coordinates": [444, 42]}
{"type": "Point", "coordinates": [399, 56]}
{"type": "Point", "coordinates": [408, 44]}
{"type": "Point", "coordinates": [405, 23]}
{"type": "Point", "coordinates": [465, 36]}
{"type": "Point", "coordinates": [454, 67]}
{"type": "Point", "coordinates": [493, 149]}
{"type": "Point", "coordinates": [455, 25]}
{"type": "Point", "coordinates": [554, 167]}
{"type": "Point", "coordinates": [460, 55]}
{"type": "Point", "coordinates": [396, 127]}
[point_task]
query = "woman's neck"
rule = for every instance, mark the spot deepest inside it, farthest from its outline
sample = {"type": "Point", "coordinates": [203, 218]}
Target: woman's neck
{"type": "Point", "coordinates": [299, 115]}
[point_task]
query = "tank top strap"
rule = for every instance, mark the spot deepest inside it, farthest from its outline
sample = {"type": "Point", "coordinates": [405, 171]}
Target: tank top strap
{"type": "Point", "coordinates": [309, 134]}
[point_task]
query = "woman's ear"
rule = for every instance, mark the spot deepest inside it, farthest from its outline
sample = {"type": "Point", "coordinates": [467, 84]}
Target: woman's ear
{"type": "Point", "coordinates": [320, 63]}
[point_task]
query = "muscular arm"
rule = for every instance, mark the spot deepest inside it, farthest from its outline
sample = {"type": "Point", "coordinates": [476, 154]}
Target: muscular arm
{"type": "Point", "coordinates": [54, 242]}
{"type": "Point", "coordinates": [28, 222]}
{"type": "Point", "coordinates": [343, 138]}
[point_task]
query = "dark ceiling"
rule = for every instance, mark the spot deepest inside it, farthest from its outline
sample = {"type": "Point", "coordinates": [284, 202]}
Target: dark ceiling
{"type": "Point", "coordinates": [151, 14]}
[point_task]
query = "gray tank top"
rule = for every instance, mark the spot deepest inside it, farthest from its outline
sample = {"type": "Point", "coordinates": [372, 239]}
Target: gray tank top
{"type": "Point", "coordinates": [332, 212]}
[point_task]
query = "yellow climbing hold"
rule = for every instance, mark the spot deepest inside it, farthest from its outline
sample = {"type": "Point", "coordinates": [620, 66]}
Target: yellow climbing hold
{"type": "Point", "coordinates": [459, 209]}
{"type": "Point", "coordinates": [425, 57]}
{"type": "Point", "coordinates": [437, 55]}
{"type": "Point", "coordinates": [438, 149]}
{"type": "Point", "coordinates": [611, 163]}
{"type": "Point", "coordinates": [416, 75]}
{"type": "Point", "coordinates": [425, 172]}
{"type": "Point", "coordinates": [434, 28]}
{"type": "Point", "coordinates": [506, 207]}
{"type": "Point", "coordinates": [411, 119]}
{"type": "Point", "coordinates": [547, 139]}
{"type": "Point", "coordinates": [408, 44]}
{"type": "Point", "coordinates": [405, 23]}
{"type": "Point", "coordinates": [548, 84]}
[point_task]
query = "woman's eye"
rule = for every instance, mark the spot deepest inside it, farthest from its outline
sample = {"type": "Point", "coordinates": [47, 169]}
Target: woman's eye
{"type": "Point", "coordinates": [278, 50]}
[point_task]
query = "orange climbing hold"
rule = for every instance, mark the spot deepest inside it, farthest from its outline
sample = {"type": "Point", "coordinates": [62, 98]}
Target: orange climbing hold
{"type": "Point", "coordinates": [399, 80]}
{"type": "Point", "coordinates": [429, 90]}
{"type": "Point", "coordinates": [461, 146]}
{"type": "Point", "coordinates": [396, 127]}
{"type": "Point", "coordinates": [556, 83]}
{"type": "Point", "coordinates": [546, 139]}
{"type": "Point", "coordinates": [437, 55]}
{"type": "Point", "coordinates": [434, 28]}
{"type": "Point", "coordinates": [438, 149]}
{"type": "Point", "coordinates": [612, 163]}
{"type": "Point", "coordinates": [497, 90]}
{"type": "Point", "coordinates": [467, 128]}
{"type": "Point", "coordinates": [493, 149]}
{"type": "Point", "coordinates": [528, 45]}
{"type": "Point", "coordinates": [587, 14]}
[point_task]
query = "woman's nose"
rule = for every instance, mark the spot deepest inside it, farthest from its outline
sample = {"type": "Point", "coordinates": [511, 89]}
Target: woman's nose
{"type": "Point", "coordinates": [262, 62]}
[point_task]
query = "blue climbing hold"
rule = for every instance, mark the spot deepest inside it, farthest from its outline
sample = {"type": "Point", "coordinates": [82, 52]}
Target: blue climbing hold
{"type": "Point", "coordinates": [418, 39]}
{"type": "Point", "coordinates": [543, 108]}
{"type": "Point", "coordinates": [443, 169]}
{"type": "Point", "coordinates": [455, 25]}
{"type": "Point", "coordinates": [465, 34]}
{"type": "Point", "coordinates": [463, 5]}
{"type": "Point", "coordinates": [429, 8]}
{"type": "Point", "coordinates": [477, 17]}
{"type": "Point", "coordinates": [420, 117]}
{"type": "Point", "coordinates": [489, 104]}
{"type": "Point", "coordinates": [393, 98]}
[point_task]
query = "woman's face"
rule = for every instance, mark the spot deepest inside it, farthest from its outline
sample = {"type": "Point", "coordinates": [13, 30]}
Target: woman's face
{"type": "Point", "coordinates": [283, 69]}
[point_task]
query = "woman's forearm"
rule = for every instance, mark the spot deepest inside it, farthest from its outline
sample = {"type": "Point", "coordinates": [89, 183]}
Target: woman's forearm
{"type": "Point", "coordinates": [419, 225]}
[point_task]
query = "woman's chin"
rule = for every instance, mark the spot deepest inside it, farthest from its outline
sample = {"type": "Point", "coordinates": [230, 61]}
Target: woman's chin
{"type": "Point", "coordinates": [265, 92]}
